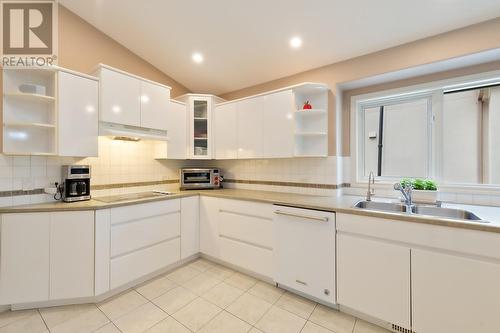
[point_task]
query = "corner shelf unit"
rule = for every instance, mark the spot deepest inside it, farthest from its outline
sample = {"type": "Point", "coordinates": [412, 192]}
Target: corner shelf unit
{"type": "Point", "coordinates": [29, 119]}
{"type": "Point", "coordinates": [311, 126]}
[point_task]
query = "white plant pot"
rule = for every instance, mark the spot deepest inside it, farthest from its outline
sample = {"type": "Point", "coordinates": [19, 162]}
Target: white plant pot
{"type": "Point", "coordinates": [425, 196]}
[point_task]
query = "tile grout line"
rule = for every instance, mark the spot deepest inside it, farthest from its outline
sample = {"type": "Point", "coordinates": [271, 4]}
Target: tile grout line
{"type": "Point", "coordinates": [272, 304]}
{"type": "Point", "coordinates": [110, 321]}
{"type": "Point", "coordinates": [168, 315]}
{"type": "Point", "coordinates": [120, 295]}
{"type": "Point", "coordinates": [355, 318]}
{"type": "Point", "coordinates": [236, 299]}
{"type": "Point", "coordinates": [44, 322]}
{"type": "Point", "coordinates": [307, 320]}
{"type": "Point", "coordinates": [156, 278]}
{"type": "Point", "coordinates": [222, 309]}
{"type": "Point", "coordinates": [354, 326]}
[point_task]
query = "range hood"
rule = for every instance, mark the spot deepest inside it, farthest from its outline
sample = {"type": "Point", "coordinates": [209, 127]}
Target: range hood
{"type": "Point", "coordinates": [131, 133]}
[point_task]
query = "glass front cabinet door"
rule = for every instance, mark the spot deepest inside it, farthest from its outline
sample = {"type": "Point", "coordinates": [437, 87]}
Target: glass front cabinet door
{"type": "Point", "coordinates": [200, 132]}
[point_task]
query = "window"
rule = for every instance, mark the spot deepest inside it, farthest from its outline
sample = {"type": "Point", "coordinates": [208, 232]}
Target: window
{"type": "Point", "coordinates": [447, 133]}
{"type": "Point", "coordinates": [396, 138]}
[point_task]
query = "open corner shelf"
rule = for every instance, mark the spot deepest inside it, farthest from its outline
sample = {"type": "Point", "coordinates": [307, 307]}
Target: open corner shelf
{"type": "Point", "coordinates": [311, 133]}
{"type": "Point", "coordinates": [311, 155]}
{"type": "Point", "coordinates": [311, 125]}
{"type": "Point", "coordinates": [31, 97]}
{"type": "Point", "coordinates": [29, 120]}
{"type": "Point", "coordinates": [25, 124]}
{"type": "Point", "coordinates": [310, 112]}
{"type": "Point", "coordinates": [29, 153]}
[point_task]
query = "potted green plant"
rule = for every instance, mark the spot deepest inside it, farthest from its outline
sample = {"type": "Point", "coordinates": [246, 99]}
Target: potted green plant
{"type": "Point", "coordinates": [424, 190]}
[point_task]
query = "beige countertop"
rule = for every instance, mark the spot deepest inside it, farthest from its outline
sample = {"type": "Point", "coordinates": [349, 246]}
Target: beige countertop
{"type": "Point", "coordinates": [339, 204]}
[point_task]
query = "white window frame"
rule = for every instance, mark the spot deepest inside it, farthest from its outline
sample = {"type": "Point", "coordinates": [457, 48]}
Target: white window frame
{"type": "Point", "coordinates": [433, 90]}
{"type": "Point", "coordinates": [363, 105]}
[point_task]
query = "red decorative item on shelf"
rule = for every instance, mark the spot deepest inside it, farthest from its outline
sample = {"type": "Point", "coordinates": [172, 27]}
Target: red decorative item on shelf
{"type": "Point", "coordinates": [307, 106]}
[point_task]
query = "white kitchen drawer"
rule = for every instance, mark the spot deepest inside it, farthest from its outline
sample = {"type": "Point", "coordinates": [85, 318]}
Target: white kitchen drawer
{"type": "Point", "coordinates": [136, 212]}
{"type": "Point", "coordinates": [256, 259]}
{"type": "Point", "coordinates": [251, 208]}
{"type": "Point", "coordinates": [250, 228]}
{"type": "Point", "coordinates": [139, 263]}
{"type": "Point", "coordinates": [130, 236]}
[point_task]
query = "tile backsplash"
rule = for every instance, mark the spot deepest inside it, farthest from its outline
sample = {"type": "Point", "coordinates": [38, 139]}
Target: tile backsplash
{"type": "Point", "coordinates": [118, 162]}
{"type": "Point", "coordinates": [316, 171]}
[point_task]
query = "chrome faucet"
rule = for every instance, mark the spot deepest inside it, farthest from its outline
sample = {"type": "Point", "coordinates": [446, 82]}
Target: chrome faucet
{"type": "Point", "coordinates": [371, 190]}
{"type": "Point", "coordinates": [406, 191]}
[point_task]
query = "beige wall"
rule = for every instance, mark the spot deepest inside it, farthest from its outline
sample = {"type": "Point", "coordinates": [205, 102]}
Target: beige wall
{"type": "Point", "coordinates": [82, 47]}
{"type": "Point", "coordinates": [472, 39]}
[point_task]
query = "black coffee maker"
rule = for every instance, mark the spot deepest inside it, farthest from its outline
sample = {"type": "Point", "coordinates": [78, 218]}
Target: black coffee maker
{"type": "Point", "coordinates": [76, 183]}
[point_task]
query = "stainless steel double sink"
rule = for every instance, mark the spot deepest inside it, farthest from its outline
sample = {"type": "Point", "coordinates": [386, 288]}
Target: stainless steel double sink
{"type": "Point", "coordinates": [450, 213]}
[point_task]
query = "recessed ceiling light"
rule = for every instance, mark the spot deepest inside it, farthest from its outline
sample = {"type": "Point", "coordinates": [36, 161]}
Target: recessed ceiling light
{"type": "Point", "coordinates": [197, 57]}
{"type": "Point", "coordinates": [296, 42]}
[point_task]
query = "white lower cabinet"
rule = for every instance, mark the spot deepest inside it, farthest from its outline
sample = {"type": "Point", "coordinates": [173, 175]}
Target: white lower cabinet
{"type": "Point", "coordinates": [237, 232]}
{"type": "Point", "coordinates": [245, 235]}
{"type": "Point", "coordinates": [190, 226]}
{"type": "Point", "coordinates": [373, 277]}
{"type": "Point", "coordinates": [134, 265]}
{"type": "Point", "coordinates": [144, 238]}
{"type": "Point", "coordinates": [46, 256]}
{"type": "Point", "coordinates": [443, 278]}
{"type": "Point", "coordinates": [304, 251]}
{"type": "Point", "coordinates": [71, 255]}
{"type": "Point", "coordinates": [135, 241]}
{"type": "Point", "coordinates": [24, 269]}
{"type": "Point", "coordinates": [209, 231]}
{"type": "Point", "coordinates": [454, 293]}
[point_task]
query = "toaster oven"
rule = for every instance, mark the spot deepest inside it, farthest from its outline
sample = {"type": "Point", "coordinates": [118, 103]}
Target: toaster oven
{"type": "Point", "coordinates": [200, 178]}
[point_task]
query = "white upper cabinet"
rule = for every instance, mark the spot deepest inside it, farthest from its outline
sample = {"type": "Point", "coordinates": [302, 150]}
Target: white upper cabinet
{"type": "Point", "coordinates": [155, 102]}
{"type": "Point", "coordinates": [200, 122]}
{"type": "Point", "coordinates": [78, 106]}
{"type": "Point", "coordinates": [226, 131]}
{"type": "Point", "coordinates": [278, 125]}
{"type": "Point", "coordinates": [250, 131]}
{"type": "Point", "coordinates": [127, 99]}
{"type": "Point", "coordinates": [200, 138]}
{"type": "Point", "coordinates": [177, 131]}
{"type": "Point", "coordinates": [273, 124]}
{"type": "Point", "coordinates": [120, 98]}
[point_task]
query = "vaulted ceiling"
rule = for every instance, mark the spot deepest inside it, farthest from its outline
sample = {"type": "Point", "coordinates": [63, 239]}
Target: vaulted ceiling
{"type": "Point", "coordinates": [247, 42]}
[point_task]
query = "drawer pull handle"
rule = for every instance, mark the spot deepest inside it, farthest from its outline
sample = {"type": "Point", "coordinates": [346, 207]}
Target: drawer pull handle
{"type": "Point", "coordinates": [301, 282]}
{"type": "Point", "coordinates": [308, 217]}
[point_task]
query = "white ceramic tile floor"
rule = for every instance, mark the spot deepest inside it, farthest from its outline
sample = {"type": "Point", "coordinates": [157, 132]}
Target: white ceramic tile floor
{"type": "Point", "coordinates": [199, 297]}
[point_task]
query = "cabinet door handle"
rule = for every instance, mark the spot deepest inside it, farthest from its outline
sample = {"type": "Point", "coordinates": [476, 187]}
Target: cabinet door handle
{"type": "Point", "coordinates": [308, 217]}
{"type": "Point", "coordinates": [301, 282]}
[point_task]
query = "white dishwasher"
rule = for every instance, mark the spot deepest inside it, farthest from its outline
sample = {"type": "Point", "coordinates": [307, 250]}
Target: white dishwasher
{"type": "Point", "coordinates": [304, 251]}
